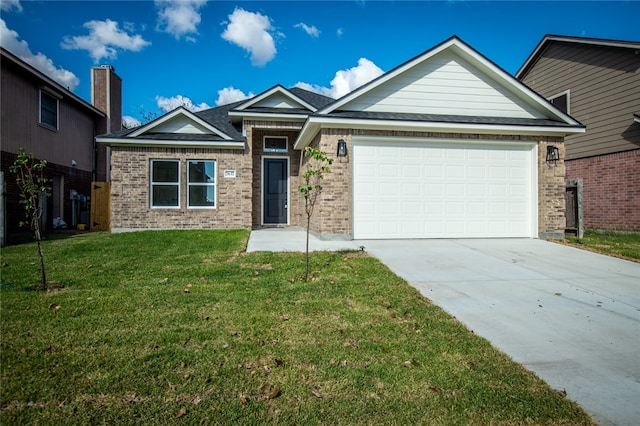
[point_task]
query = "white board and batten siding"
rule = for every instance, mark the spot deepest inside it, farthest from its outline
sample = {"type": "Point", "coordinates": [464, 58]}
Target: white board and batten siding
{"type": "Point", "coordinates": [412, 188]}
{"type": "Point", "coordinates": [446, 84]}
{"type": "Point", "coordinates": [182, 125]}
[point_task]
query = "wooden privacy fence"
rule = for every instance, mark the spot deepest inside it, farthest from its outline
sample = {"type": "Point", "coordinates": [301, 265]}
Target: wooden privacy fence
{"type": "Point", "coordinates": [100, 206]}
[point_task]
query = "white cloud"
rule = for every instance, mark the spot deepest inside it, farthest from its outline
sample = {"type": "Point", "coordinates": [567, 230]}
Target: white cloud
{"type": "Point", "coordinates": [7, 5]}
{"type": "Point", "coordinates": [339, 32]}
{"type": "Point", "coordinates": [231, 94]}
{"type": "Point", "coordinates": [129, 122]}
{"type": "Point", "coordinates": [10, 40]}
{"type": "Point", "coordinates": [169, 104]}
{"type": "Point", "coordinates": [179, 17]}
{"type": "Point", "coordinates": [105, 39]}
{"type": "Point", "coordinates": [347, 80]}
{"type": "Point", "coordinates": [311, 30]}
{"type": "Point", "coordinates": [251, 31]}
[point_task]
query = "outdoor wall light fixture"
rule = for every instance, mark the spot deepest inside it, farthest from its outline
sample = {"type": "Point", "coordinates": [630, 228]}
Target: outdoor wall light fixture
{"type": "Point", "coordinates": [553, 154]}
{"type": "Point", "coordinates": [342, 148]}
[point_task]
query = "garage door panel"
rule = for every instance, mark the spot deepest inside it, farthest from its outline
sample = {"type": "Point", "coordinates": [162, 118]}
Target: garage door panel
{"type": "Point", "coordinates": [421, 190]}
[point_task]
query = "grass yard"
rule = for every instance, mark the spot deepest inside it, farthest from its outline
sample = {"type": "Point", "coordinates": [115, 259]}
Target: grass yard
{"type": "Point", "coordinates": [173, 327]}
{"type": "Point", "coordinates": [623, 245]}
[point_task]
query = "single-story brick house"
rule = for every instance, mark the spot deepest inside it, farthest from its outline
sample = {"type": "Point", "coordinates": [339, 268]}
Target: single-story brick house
{"type": "Point", "coordinates": [445, 145]}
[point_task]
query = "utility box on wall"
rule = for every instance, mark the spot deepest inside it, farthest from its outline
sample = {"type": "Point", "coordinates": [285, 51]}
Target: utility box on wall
{"type": "Point", "coordinates": [573, 210]}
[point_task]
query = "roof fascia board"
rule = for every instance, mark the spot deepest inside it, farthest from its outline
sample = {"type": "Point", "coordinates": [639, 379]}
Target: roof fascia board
{"type": "Point", "coordinates": [276, 89]}
{"type": "Point", "coordinates": [178, 111]}
{"type": "Point", "coordinates": [523, 92]}
{"type": "Point", "coordinates": [314, 125]}
{"type": "Point", "coordinates": [50, 82]}
{"type": "Point", "coordinates": [269, 116]}
{"type": "Point", "coordinates": [171, 143]}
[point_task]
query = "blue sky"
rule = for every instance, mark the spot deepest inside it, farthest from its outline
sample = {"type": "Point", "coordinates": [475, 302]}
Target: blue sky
{"type": "Point", "coordinates": [202, 54]}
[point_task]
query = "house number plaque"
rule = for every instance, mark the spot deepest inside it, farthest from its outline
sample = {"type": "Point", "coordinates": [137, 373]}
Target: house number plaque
{"type": "Point", "coordinates": [229, 173]}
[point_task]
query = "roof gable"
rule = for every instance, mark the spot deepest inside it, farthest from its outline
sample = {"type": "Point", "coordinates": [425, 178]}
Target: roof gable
{"type": "Point", "coordinates": [276, 97]}
{"type": "Point", "coordinates": [179, 121]}
{"type": "Point", "coordinates": [548, 39]}
{"type": "Point", "coordinates": [451, 78]}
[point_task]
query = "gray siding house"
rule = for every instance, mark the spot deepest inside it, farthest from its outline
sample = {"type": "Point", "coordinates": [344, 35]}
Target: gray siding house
{"type": "Point", "coordinates": [55, 125]}
{"type": "Point", "coordinates": [598, 82]}
{"type": "Point", "coordinates": [445, 145]}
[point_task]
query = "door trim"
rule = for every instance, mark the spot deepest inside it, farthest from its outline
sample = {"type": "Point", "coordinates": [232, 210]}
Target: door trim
{"type": "Point", "coordinates": [262, 173]}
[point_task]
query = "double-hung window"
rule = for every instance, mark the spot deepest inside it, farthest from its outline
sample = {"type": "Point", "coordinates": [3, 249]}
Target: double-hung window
{"type": "Point", "coordinates": [48, 110]}
{"type": "Point", "coordinates": [201, 184]}
{"type": "Point", "coordinates": [165, 183]}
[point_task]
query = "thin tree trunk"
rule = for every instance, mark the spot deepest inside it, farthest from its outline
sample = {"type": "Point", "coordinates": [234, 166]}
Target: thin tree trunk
{"type": "Point", "coordinates": [306, 277]}
{"type": "Point", "coordinates": [36, 230]}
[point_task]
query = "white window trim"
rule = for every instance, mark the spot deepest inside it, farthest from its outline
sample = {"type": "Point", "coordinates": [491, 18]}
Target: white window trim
{"type": "Point", "coordinates": [214, 184]}
{"type": "Point", "coordinates": [565, 93]}
{"type": "Point", "coordinates": [270, 150]}
{"type": "Point", "coordinates": [57, 99]}
{"type": "Point", "coordinates": [151, 183]}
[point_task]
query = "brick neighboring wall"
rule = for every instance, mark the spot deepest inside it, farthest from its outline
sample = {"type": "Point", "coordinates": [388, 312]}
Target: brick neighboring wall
{"type": "Point", "coordinates": [334, 211]}
{"type": "Point", "coordinates": [130, 205]}
{"type": "Point", "coordinates": [610, 190]}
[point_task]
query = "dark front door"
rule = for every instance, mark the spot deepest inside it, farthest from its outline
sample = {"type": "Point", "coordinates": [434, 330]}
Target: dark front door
{"type": "Point", "coordinates": [276, 185]}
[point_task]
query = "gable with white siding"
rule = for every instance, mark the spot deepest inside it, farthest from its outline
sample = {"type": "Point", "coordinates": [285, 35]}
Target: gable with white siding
{"type": "Point", "coordinates": [445, 84]}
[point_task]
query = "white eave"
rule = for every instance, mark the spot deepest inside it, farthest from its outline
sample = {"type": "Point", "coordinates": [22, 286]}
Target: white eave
{"type": "Point", "coordinates": [163, 143]}
{"type": "Point", "coordinates": [315, 124]}
{"type": "Point", "coordinates": [276, 89]}
{"type": "Point", "coordinates": [268, 116]}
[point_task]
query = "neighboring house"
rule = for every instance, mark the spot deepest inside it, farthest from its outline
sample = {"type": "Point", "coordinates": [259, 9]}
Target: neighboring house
{"type": "Point", "coordinates": [55, 125]}
{"type": "Point", "coordinates": [446, 145]}
{"type": "Point", "coordinates": [598, 82]}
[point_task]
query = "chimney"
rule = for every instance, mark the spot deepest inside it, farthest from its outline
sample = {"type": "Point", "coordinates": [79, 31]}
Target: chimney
{"type": "Point", "coordinates": [106, 95]}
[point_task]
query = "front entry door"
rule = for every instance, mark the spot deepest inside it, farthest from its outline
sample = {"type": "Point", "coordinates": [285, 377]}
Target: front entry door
{"type": "Point", "coordinates": [276, 187]}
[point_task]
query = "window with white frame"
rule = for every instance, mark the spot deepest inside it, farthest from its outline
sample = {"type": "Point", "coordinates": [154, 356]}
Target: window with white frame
{"type": "Point", "coordinates": [48, 110]}
{"type": "Point", "coordinates": [165, 183]}
{"type": "Point", "coordinates": [201, 183]}
{"type": "Point", "coordinates": [275, 144]}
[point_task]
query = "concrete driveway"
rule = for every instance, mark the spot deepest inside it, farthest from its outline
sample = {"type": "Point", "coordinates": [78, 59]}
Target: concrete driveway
{"type": "Point", "coordinates": [570, 316]}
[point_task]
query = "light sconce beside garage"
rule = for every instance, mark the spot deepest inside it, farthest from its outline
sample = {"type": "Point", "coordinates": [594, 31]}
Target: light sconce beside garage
{"type": "Point", "coordinates": [342, 148]}
{"type": "Point", "coordinates": [553, 154]}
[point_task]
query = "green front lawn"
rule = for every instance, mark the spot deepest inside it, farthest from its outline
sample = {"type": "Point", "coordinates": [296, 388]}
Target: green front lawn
{"type": "Point", "coordinates": [623, 245]}
{"type": "Point", "coordinates": [184, 327]}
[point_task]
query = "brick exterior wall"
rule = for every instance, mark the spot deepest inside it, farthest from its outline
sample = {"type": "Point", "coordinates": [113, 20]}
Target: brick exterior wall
{"type": "Point", "coordinates": [332, 218]}
{"type": "Point", "coordinates": [610, 190]}
{"type": "Point", "coordinates": [551, 191]}
{"type": "Point", "coordinates": [130, 204]}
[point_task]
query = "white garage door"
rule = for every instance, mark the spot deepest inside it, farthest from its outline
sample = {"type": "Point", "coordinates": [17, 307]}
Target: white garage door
{"type": "Point", "coordinates": [408, 189]}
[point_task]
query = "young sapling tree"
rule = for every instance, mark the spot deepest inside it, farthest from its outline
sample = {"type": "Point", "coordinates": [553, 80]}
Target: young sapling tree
{"type": "Point", "coordinates": [32, 183]}
{"type": "Point", "coordinates": [316, 167]}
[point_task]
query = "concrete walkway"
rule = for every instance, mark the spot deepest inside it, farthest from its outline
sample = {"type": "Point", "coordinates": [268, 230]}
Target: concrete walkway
{"type": "Point", "coordinates": [570, 316]}
{"type": "Point", "coordinates": [293, 239]}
